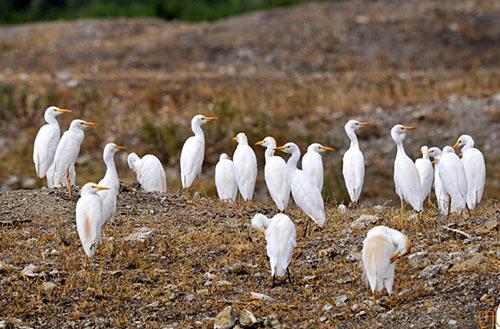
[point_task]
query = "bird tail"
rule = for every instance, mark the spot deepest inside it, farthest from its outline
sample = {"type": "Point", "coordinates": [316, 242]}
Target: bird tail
{"type": "Point", "coordinates": [376, 255]}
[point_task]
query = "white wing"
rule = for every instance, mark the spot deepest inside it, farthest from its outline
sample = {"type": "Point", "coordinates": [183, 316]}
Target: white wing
{"type": "Point", "coordinates": [88, 222]}
{"type": "Point", "coordinates": [225, 181]}
{"type": "Point", "coordinates": [376, 256]}
{"type": "Point", "coordinates": [407, 181]}
{"type": "Point", "coordinates": [426, 174]}
{"type": "Point", "coordinates": [450, 170]}
{"type": "Point", "coordinates": [192, 155]}
{"type": "Point", "coordinates": [275, 173]}
{"type": "Point", "coordinates": [475, 171]}
{"type": "Point", "coordinates": [245, 170]}
{"type": "Point", "coordinates": [44, 148]}
{"type": "Point", "coordinates": [152, 174]}
{"type": "Point", "coordinates": [353, 170]}
{"type": "Point", "coordinates": [280, 237]}
{"type": "Point", "coordinates": [307, 196]}
{"type": "Point", "coordinates": [66, 154]}
{"type": "Point", "coordinates": [313, 165]}
{"type": "Point", "coordinates": [441, 195]}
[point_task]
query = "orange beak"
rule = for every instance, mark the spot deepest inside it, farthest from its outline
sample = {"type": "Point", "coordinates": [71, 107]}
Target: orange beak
{"type": "Point", "coordinates": [210, 118]}
{"type": "Point", "coordinates": [326, 148]}
{"type": "Point", "coordinates": [280, 148]}
{"type": "Point", "coordinates": [395, 257]}
{"type": "Point", "coordinates": [89, 124]}
{"type": "Point", "coordinates": [408, 128]}
{"type": "Point", "coordinates": [120, 148]}
{"type": "Point", "coordinates": [235, 138]}
{"type": "Point", "coordinates": [455, 146]}
{"type": "Point", "coordinates": [365, 124]}
{"type": "Point", "coordinates": [63, 110]}
{"type": "Point", "coordinates": [259, 143]}
{"type": "Point", "coordinates": [102, 188]}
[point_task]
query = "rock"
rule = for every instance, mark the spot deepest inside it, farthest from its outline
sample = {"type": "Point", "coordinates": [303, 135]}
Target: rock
{"type": "Point", "coordinates": [354, 256]}
{"type": "Point", "coordinates": [247, 319]}
{"type": "Point", "coordinates": [224, 283]}
{"type": "Point", "coordinates": [360, 314]}
{"type": "Point", "coordinates": [197, 196]}
{"type": "Point", "coordinates": [452, 323]}
{"type": "Point", "coordinates": [225, 319]}
{"type": "Point", "coordinates": [329, 252]}
{"type": "Point", "coordinates": [47, 286]}
{"type": "Point", "coordinates": [309, 277]}
{"type": "Point", "coordinates": [236, 268]}
{"type": "Point", "coordinates": [341, 301]}
{"type": "Point", "coordinates": [379, 208]}
{"type": "Point", "coordinates": [342, 208]}
{"type": "Point", "coordinates": [413, 217]}
{"type": "Point", "coordinates": [432, 270]}
{"type": "Point", "coordinates": [469, 264]}
{"type": "Point", "coordinates": [363, 221]}
{"type": "Point", "coordinates": [486, 299]}
{"type": "Point", "coordinates": [327, 307]}
{"type": "Point", "coordinates": [323, 319]}
{"type": "Point", "coordinates": [262, 297]}
{"type": "Point", "coordinates": [189, 297]}
{"type": "Point", "coordinates": [419, 259]}
{"type": "Point", "coordinates": [28, 271]}
{"type": "Point", "coordinates": [140, 235]}
{"type": "Point", "coordinates": [202, 292]}
{"type": "Point", "coordinates": [209, 276]}
{"type": "Point", "coordinates": [491, 224]}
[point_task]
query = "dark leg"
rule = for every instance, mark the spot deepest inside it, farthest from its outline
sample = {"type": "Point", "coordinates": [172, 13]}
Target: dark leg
{"type": "Point", "coordinates": [449, 207]}
{"type": "Point", "coordinates": [272, 286]}
{"type": "Point", "coordinates": [307, 225]}
{"type": "Point", "coordinates": [375, 297]}
{"type": "Point", "coordinates": [69, 184]}
{"type": "Point", "coordinates": [289, 277]}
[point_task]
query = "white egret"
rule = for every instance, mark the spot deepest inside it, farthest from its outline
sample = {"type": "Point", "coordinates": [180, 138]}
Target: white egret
{"type": "Point", "coordinates": [67, 151]}
{"type": "Point", "coordinates": [475, 170]}
{"type": "Point", "coordinates": [225, 182]}
{"type": "Point", "coordinates": [245, 167]}
{"type": "Point", "coordinates": [312, 162]}
{"type": "Point", "coordinates": [406, 177]}
{"type": "Point", "coordinates": [353, 163]}
{"type": "Point", "coordinates": [280, 236]}
{"type": "Point", "coordinates": [454, 179]}
{"type": "Point", "coordinates": [425, 171]}
{"type": "Point", "coordinates": [110, 180]}
{"type": "Point", "coordinates": [305, 192]}
{"type": "Point", "coordinates": [193, 151]}
{"type": "Point", "coordinates": [46, 141]}
{"type": "Point", "coordinates": [50, 176]}
{"type": "Point", "coordinates": [275, 174]}
{"type": "Point", "coordinates": [149, 171]}
{"type": "Point", "coordinates": [89, 217]}
{"type": "Point", "coordinates": [381, 248]}
{"type": "Point", "coordinates": [441, 195]}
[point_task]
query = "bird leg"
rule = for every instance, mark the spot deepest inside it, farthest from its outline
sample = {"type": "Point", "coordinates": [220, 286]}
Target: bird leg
{"type": "Point", "coordinates": [307, 225]}
{"type": "Point", "coordinates": [374, 297]}
{"type": "Point", "coordinates": [449, 208]}
{"type": "Point", "coordinates": [69, 184]}
{"type": "Point", "coordinates": [288, 273]}
{"type": "Point", "coordinates": [272, 285]}
{"type": "Point", "coordinates": [468, 211]}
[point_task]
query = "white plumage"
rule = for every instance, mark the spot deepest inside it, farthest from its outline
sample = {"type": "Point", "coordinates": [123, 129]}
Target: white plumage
{"type": "Point", "coordinates": [193, 151]}
{"type": "Point", "coordinates": [110, 180]}
{"type": "Point", "coordinates": [280, 236]}
{"type": "Point", "coordinates": [381, 248]}
{"type": "Point", "coordinates": [68, 149]}
{"type": "Point", "coordinates": [275, 174]}
{"type": "Point", "coordinates": [454, 179]}
{"type": "Point", "coordinates": [149, 171]}
{"type": "Point", "coordinates": [353, 163]}
{"type": "Point", "coordinates": [46, 141]}
{"type": "Point", "coordinates": [425, 171]}
{"type": "Point", "coordinates": [475, 170]}
{"type": "Point", "coordinates": [441, 195]}
{"type": "Point", "coordinates": [245, 167]}
{"type": "Point", "coordinates": [305, 192]}
{"type": "Point", "coordinates": [406, 177]}
{"type": "Point", "coordinates": [312, 163]}
{"type": "Point", "coordinates": [89, 217]}
{"type": "Point", "coordinates": [225, 182]}
{"type": "Point", "coordinates": [64, 182]}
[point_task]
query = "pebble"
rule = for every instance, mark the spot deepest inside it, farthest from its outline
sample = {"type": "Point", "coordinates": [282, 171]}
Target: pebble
{"type": "Point", "coordinates": [363, 221]}
{"type": "Point", "coordinates": [341, 301]}
{"type": "Point", "coordinates": [259, 296]}
{"type": "Point", "coordinates": [226, 319]}
{"type": "Point", "coordinates": [47, 286]}
{"type": "Point", "coordinates": [247, 318]}
{"type": "Point", "coordinates": [327, 307]}
{"type": "Point", "coordinates": [452, 323]}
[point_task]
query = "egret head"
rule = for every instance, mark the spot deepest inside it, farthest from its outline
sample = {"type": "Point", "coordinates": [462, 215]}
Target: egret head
{"type": "Point", "coordinates": [92, 188]}
{"type": "Point", "coordinates": [260, 222]}
{"type": "Point", "coordinates": [132, 158]}
{"type": "Point", "coordinates": [224, 156]}
{"type": "Point", "coordinates": [424, 150]}
{"type": "Point", "coordinates": [241, 138]}
{"type": "Point", "coordinates": [353, 125]}
{"type": "Point", "coordinates": [53, 111]}
{"type": "Point", "coordinates": [435, 153]}
{"type": "Point", "coordinates": [81, 124]}
{"type": "Point", "coordinates": [403, 245]}
{"type": "Point", "coordinates": [398, 132]}
{"type": "Point", "coordinates": [448, 149]}
{"type": "Point", "coordinates": [288, 148]}
{"type": "Point", "coordinates": [464, 140]}
{"type": "Point", "coordinates": [199, 120]}
{"type": "Point", "coordinates": [110, 149]}
{"type": "Point", "coordinates": [267, 142]}
{"type": "Point", "coordinates": [317, 147]}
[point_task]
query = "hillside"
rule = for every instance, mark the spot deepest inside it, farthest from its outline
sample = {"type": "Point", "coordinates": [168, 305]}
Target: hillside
{"type": "Point", "coordinates": [304, 69]}
{"type": "Point", "coordinates": [171, 261]}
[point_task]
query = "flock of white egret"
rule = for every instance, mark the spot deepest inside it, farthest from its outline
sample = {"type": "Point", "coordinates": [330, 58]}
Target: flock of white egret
{"type": "Point", "coordinates": [458, 185]}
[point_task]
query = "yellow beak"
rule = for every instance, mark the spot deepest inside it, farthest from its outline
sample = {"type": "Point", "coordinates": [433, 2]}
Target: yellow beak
{"type": "Point", "coordinates": [365, 124]}
{"type": "Point", "coordinates": [395, 257]}
{"type": "Point", "coordinates": [455, 146]}
{"type": "Point", "coordinates": [210, 118]}
{"type": "Point", "coordinates": [326, 148]}
{"type": "Point", "coordinates": [63, 110]}
{"type": "Point", "coordinates": [408, 128]}
{"type": "Point", "coordinates": [102, 188]}
{"type": "Point", "coordinates": [89, 124]}
{"type": "Point", "coordinates": [120, 148]}
{"type": "Point", "coordinates": [259, 143]}
{"type": "Point", "coordinates": [280, 148]}
{"type": "Point", "coordinates": [235, 138]}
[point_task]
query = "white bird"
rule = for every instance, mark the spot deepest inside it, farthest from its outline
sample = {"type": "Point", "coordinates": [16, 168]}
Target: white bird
{"type": "Point", "coordinates": [381, 248]}
{"type": "Point", "coordinates": [193, 151]}
{"type": "Point", "coordinates": [353, 163]}
{"type": "Point", "coordinates": [245, 167]}
{"type": "Point", "coordinates": [50, 176]}
{"type": "Point", "coordinates": [441, 195]}
{"type": "Point", "coordinates": [312, 162]}
{"type": "Point", "coordinates": [280, 236]}
{"type": "Point", "coordinates": [275, 174]}
{"type": "Point", "coordinates": [425, 171]}
{"type": "Point", "coordinates": [89, 217]}
{"type": "Point", "coordinates": [110, 180]}
{"type": "Point", "coordinates": [454, 179]}
{"type": "Point", "coordinates": [46, 141]}
{"type": "Point", "coordinates": [305, 192]}
{"type": "Point", "coordinates": [475, 170]}
{"type": "Point", "coordinates": [406, 177]}
{"type": "Point", "coordinates": [149, 171]}
{"type": "Point", "coordinates": [67, 151]}
{"type": "Point", "coordinates": [225, 182]}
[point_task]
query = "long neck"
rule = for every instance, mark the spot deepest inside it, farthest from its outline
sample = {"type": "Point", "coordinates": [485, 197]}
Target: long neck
{"type": "Point", "coordinates": [269, 151]}
{"type": "Point", "coordinates": [294, 159]}
{"type": "Point", "coordinates": [197, 130]}
{"type": "Point", "coordinates": [110, 167]}
{"type": "Point", "coordinates": [400, 147]}
{"type": "Point", "coordinates": [468, 145]}
{"type": "Point", "coordinates": [425, 154]}
{"type": "Point", "coordinates": [354, 139]}
{"type": "Point", "coordinates": [77, 131]}
{"type": "Point", "coordinates": [50, 119]}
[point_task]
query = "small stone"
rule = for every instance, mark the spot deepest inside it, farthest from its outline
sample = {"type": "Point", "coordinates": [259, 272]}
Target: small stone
{"type": "Point", "coordinates": [452, 323]}
{"type": "Point", "coordinates": [419, 259]}
{"type": "Point", "coordinates": [140, 235]}
{"type": "Point", "coordinates": [341, 301]}
{"type": "Point", "coordinates": [413, 217]}
{"type": "Point", "coordinates": [47, 286]}
{"type": "Point", "coordinates": [323, 319]}
{"type": "Point", "coordinates": [209, 276]}
{"type": "Point", "coordinates": [247, 319]}
{"type": "Point", "coordinates": [327, 307]}
{"type": "Point", "coordinates": [342, 208]}
{"type": "Point", "coordinates": [256, 295]}
{"type": "Point", "coordinates": [363, 221]}
{"type": "Point", "coordinates": [197, 196]}
{"type": "Point", "coordinates": [189, 297]}
{"type": "Point", "coordinates": [354, 256]}
{"type": "Point", "coordinates": [28, 271]}
{"type": "Point", "coordinates": [360, 314]}
{"type": "Point", "coordinates": [309, 277]}
{"type": "Point", "coordinates": [469, 264]}
{"type": "Point", "coordinates": [486, 299]}
{"type": "Point", "coordinates": [202, 292]}
{"type": "Point", "coordinates": [330, 252]}
{"type": "Point", "coordinates": [224, 283]}
{"type": "Point", "coordinates": [226, 319]}
{"type": "Point", "coordinates": [433, 270]}
{"type": "Point", "coordinates": [378, 208]}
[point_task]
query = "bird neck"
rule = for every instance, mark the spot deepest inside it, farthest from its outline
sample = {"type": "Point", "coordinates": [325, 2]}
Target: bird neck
{"type": "Point", "coordinates": [269, 151]}
{"type": "Point", "coordinates": [354, 139]}
{"type": "Point", "coordinates": [400, 147]}
{"type": "Point", "coordinates": [294, 159]}
{"type": "Point", "coordinates": [425, 155]}
{"type": "Point", "coordinates": [468, 145]}
{"type": "Point", "coordinates": [196, 127]}
{"type": "Point", "coordinates": [51, 119]}
{"type": "Point", "coordinates": [109, 161]}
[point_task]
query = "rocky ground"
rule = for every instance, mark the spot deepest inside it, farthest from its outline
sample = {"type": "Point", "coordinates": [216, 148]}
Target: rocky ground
{"type": "Point", "coordinates": [174, 261]}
